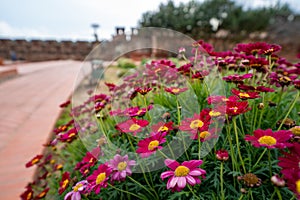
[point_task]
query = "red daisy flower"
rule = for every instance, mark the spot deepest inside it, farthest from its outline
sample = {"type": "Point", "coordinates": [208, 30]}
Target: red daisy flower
{"type": "Point", "coordinates": [110, 86]}
{"type": "Point", "coordinates": [143, 91]}
{"type": "Point", "coordinates": [198, 123]}
{"type": "Point", "coordinates": [148, 146]}
{"type": "Point", "coordinates": [245, 95]}
{"type": "Point", "coordinates": [132, 126]}
{"type": "Point", "coordinates": [216, 99]}
{"type": "Point", "coordinates": [88, 161]}
{"type": "Point", "coordinates": [290, 168]}
{"type": "Point", "coordinates": [175, 90]}
{"type": "Point", "coordinates": [64, 183]}
{"type": "Point", "coordinates": [65, 104]}
{"type": "Point", "coordinates": [162, 127]}
{"type": "Point", "coordinates": [42, 194]}
{"type": "Point", "coordinates": [200, 74]}
{"type": "Point", "coordinates": [222, 155]}
{"type": "Point", "coordinates": [236, 78]}
{"type": "Point", "coordinates": [99, 178]}
{"type": "Point", "coordinates": [255, 89]}
{"type": "Point", "coordinates": [34, 161]}
{"type": "Point", "coordinates": [27, 194]}
{"type": "Point", "coordinates": [182, 174]}
{"type": "Point", "coordinates": [69, 136]}
{"type": "Point", "coordinates": [268, 138]}
{"type": "Point", "coordinates": [234, 108]}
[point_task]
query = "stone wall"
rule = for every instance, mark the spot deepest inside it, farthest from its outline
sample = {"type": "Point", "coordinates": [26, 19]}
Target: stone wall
{"type": "Point", "coordinates": [41, 50]}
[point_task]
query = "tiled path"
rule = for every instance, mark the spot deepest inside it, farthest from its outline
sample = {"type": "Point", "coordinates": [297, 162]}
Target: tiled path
{"type": "Point", "coordinates": [28, 111]}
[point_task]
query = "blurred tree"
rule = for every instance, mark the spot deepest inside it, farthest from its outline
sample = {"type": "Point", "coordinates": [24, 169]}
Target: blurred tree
{"type": "Point", "coordinates": [202, 19]}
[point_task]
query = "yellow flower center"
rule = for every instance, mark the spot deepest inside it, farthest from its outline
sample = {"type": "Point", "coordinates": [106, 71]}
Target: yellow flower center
{"type": "Point", "coordinates": [71, 135]}
{"type": "Point", "coordinates": [295, 130]}
{"type": "Point", "coordinates": [100, 178]}
{"type": "Point", "coordinates": [204, 134]}
{"type": "Point", "coordinates": [163, 128]}
{"type": "Point", "coordinates": [139, 112]}
{"type": "Point", "coordinates": [76, 188]}
{"type": "Point", "coordinates": [134, 127]}
{"type": "Point", "coordinates": [196, 124]}
{"type": "Point", "coordinates": [175, 90]}
{"type": "Point", "coordinates": [35, 160]}
{"type": "Point", "coordinates": [122, 166]}
{"type": "Point", "coordinates": [234, 109]}
{"type": "Point", "coordinates": [268, 140]}
{"type": "Point", "coordinates": [182, 171]}
{"type": "Point", "coordinates": [214, 113]}
{"type": "Point", "coordinates": [65, 183]}
{"type": "Point", "coordinates": [243, 94]}
{"type": "Point", "coordinates": [298, 186]}
{"type": "Point", "coordinates": [153, 144]}
{"type": "Point", "coordinates": [29, 196]}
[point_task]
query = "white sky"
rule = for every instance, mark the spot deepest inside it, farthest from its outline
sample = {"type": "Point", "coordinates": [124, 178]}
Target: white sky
{"type": "Point", "coordinates": [72, 19]}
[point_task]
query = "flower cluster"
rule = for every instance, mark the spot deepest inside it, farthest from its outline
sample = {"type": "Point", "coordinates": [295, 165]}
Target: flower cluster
{"type": "Point", "coordinates": [147, 137]}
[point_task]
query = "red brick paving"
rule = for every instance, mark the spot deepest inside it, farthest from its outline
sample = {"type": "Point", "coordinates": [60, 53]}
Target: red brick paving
{"type": "Point", "coordinates": [28, 111]}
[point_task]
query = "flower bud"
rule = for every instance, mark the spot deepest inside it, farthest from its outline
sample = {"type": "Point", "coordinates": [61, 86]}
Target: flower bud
{"type": "Point", "coordinates": [222, 155]}
{"type": "Point", "coordinates": [260, 106]}
{"type": "Point", "coordinates": [276, 180]}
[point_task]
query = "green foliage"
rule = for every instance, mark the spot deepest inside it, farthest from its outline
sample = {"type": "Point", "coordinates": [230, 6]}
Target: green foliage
{"type": "Point", "coordinates": [193, 18]}
{"type": "Point", "coordinates": [125, 63]}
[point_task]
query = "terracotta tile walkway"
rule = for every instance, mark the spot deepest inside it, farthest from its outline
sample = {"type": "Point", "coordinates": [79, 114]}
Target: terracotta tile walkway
{"type": "Point", "coordinates": [28, 111]}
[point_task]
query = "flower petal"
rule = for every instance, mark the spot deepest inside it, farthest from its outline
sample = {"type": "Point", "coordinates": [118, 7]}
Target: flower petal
{"type": "Point", "coordinates": [172, 164]}
{"type": "Point", "coordinates": [166, 174]}
{"type": "Point", "coordinates": [190, 180]}
{"type": "Point", "coordinates": [181, 183]}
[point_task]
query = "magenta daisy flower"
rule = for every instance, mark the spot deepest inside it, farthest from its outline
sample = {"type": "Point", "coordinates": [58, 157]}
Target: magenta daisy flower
{"type": "Point", "coordinates": [121, 167]}
{"type": "Point", "coordinates": [182, 174]}
{"type": "Point", "coordinates": [198, 123]}
{"type": "Point", "coordinates": [148, 146]}
{"type": "Point", "coordinates": [99, 178]}
{"type": "Point", "coordinates": [132, 126]}
{"type": "Point", "coordinates": [268, 138]}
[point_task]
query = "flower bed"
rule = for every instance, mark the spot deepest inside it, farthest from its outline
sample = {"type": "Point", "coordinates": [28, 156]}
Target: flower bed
{"type": "Point", "coordinates": [218, 125]}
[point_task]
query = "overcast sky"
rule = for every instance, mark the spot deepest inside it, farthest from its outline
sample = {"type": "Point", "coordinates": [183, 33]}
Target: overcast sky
{"type": "Point", "coordinates": [72, 19]}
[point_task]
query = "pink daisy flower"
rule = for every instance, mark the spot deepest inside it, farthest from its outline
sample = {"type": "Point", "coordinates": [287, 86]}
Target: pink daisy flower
{"type": "Point", "coordinates": [149, 145]}
{"type": "Point", "coordinates": [121, 167]}
{"type": "Point", "coordinates": [180, 175]}
{"type": "Point", "coordinates": [268, 138]}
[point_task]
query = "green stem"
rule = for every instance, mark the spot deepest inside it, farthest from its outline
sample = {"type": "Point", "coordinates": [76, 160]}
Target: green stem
{"type": "Point", "coordinates": [162, 153]}
{"type": "Point", "coordinates": [278, 193]}
{"type": "Point", "coordinates": [191, 189]}
{"type": "Point", "coordinates": [124, 191]}
{"type": "Point", "coordinates": [138, 183]}
{"type": "Point", "coordinates": [222, 181]}
{"type": "Point", "coordinates": [260, 157]}
{"type": "Point", "coordinates": [237, 143]}
{"type": "Point", "coordinates": [290, 109]}
{"type": "Point", "coordinates": [199, 147]}
{"type": "Point", "coordinates": [270, 165]}
{"type": "Point", "coordinates": [262, 111]}
{"type": "Point", "coordinates": [241, 197]}
{"type": "Point", "coordinates": [178, 111]}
